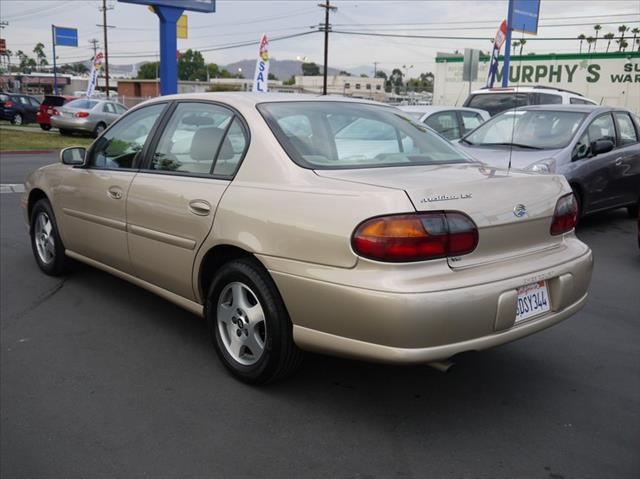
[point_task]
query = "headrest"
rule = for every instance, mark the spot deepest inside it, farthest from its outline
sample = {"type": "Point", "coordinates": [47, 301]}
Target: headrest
{"type": "Point", "coordinates": [205, 143]}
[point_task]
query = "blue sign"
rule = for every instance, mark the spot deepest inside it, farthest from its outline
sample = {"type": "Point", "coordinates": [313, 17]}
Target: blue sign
{"type": "Point", "coordinates": [525, 16]}
{"type": "Point", "coordinates": [65, 37]}
{"type": "Point", "coordinates": [207, 6]}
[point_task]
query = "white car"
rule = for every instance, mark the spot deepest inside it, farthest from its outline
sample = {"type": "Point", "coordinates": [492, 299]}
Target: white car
{"type": "Point", "coordinates": [450, 121]}
{"type": "Point", "coordinates": [496, 100]}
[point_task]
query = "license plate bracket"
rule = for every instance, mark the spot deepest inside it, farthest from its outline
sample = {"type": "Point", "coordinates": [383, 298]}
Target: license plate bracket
{"type": "Point", "coordinates": [532, 300]}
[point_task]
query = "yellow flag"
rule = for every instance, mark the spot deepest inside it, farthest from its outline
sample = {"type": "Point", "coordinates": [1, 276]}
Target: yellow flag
{"type": "Point", "coordinates": [183, 27]}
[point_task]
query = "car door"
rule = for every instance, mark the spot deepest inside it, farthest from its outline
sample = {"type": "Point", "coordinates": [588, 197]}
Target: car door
{"type": "Point", "coordinates": [626, 173]}
{"type": "Point", "coordinates": [445, 123]}
{"type": "Point", "coordinates": [596, 171]}
{"type": "Point", "coordinates": [173, 199]}
{"type": "Point", "coordinates": [93, 197]}
{"type": "Point", "coordinates": [34, 106]}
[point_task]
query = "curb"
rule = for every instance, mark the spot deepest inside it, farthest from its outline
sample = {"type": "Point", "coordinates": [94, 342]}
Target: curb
{"type": "Point", "coordinates": [26, 152]}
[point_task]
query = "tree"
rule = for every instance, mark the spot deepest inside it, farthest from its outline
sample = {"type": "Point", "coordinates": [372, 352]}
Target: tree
{"type": "Point", "coordinates": [149, 71]}
{"type": "Point", "coordinates": [635, 32]}
{"type": "Point", "coordinates": [310, 69]}
{"type": "Point", "coordinates": [395, 81]}
{"type": "Point", "coordinates": [364, 75]}
{"type": "Point", "coordinates": [597, 28]}
{"type": "Point", "coordinates": [622, 29]}
{"type": "Point", "coordinates": [41, 57]}
{"type": "Point", "coordinates": [381, 74]}
{"type": "Point", "coordinates": [519, 43]}
{"type": "Point", "coordinates": [581, 37]}
{"type": "Point", "coordinates": [590, 40]}
{"type": "Point", "coordinates": [344, 73]}
{"type": "Point", "coordinates": [608, 36]}
{"type": "Point", "coordinates": [290, 81]}
{"type": "Point", "coordinates": [191, 66]}
{"type": "Point", "coordinates": [622, 44]}
{"type": "Point", "coordinates": [271, 76]}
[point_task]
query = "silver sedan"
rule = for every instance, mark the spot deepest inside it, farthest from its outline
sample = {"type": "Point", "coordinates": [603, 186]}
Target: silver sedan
{"type": "Point", "coordinates": [87, 116]}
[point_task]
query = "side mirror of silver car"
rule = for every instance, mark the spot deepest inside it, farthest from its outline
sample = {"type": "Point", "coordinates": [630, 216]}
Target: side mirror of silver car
{"type": "Point", "coordinates": [74, 155]}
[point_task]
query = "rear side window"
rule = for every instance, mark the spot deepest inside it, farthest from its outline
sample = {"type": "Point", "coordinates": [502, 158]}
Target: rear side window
{"type": "Point", "coordinates": [84, 104]}
{"type": "Point", "coordinates": [108, 108]}
{"type": "Point", "coordinates": [34, 102]}
{"type": "Point", "coordinates": [445, 123]}
{"type": "Point", "coordinates": [627, 134]}
{"type": "Point", "coordinates": [579, 101]}
{"type": "Point", "coordinates": [50, 100]}
{"type": "Point", "coordinates": [470, 121]}
{"type": "Point", "coordinates": [495, 103]}
{"type": "Point", "coordinates": [549, 99]}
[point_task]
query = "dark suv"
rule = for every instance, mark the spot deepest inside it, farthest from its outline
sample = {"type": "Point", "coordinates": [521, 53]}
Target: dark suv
{"type": "Point", "coordinates": [18, 109]}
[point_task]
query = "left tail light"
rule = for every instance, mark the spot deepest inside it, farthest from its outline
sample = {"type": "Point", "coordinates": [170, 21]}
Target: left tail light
{"type": "Point", "coordinates": [415, 237]}
{"type": "Point", "coordinates": [8, 104]}
{"type": "Point", "coordinates": [82, 114]}
{"type": "Point", "coordinates": [565, 216]}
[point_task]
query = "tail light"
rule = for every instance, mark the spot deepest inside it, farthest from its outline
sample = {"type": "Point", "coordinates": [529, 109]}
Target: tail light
{"type": "Point", "coordinates": [82, 114]}
{"type": "Point", "coordinates": [54, 112]}
{"type": "Point", "coordinates": [565, 216]}
{"type": "Point", "coordinates": [415, 237]}
{"type": "Point", "coordinates": [8, 104]}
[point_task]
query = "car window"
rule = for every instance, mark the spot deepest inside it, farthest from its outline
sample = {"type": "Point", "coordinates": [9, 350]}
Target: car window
{"type": "Point", "coordinates": [3, 98]}
{"type": "Point", "coordinates": [229, 158]}
{"type": "Point", "coordinates": [344, 135]}
{"type": "Point", "coordinates": [82, 104]}
{"type": "Point", "coordinates": [470, 121]}
{"type": "Point", "coordinates": [120, 145]}
{"type": "Point", "coordinates": [445, 123]}
{"type": "Point", "coordinates": [52, 100]}
{"type": "Point", "coordinates": [582, 148]}
{"type": "Point", "coordinates": [108, 108]}
{"type": "Point", "coordinates": [193, 138]}
{"type": "Point", "coordinates": [627, 134]}
{"type": "Point", "coordinates": [495, 103]}
{"type": "Point", "coordinates": [120, 109]}
{"type": "Point", "coordinates": [24, 100]}
{"type": "Point", "coordinates": [602, 129]}
{"type": "Point", "coordinates": [34, 102]}
{"type": "Point", "coordinates": [548, 98]}
{"type": "Point", "coordinates": [579, 101]}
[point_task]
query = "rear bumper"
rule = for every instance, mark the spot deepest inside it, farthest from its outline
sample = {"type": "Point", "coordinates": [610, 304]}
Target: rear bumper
{"type": "Point", "coordinates": [418, 327]}
{"type": "Point", "coordinates": [76, 124]}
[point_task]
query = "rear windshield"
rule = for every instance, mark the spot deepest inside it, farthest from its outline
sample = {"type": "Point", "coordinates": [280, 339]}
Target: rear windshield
{"type": "Point", "coordinates": [84, 104]}
{"type": "Point", "coordinates": [51, 100]}
{"type": "Point", "coordinates": [495, 103]}
{"type": "Point", "coordinates": [341, 135]}
{"type": "Point", "coordinates": [3, 97]}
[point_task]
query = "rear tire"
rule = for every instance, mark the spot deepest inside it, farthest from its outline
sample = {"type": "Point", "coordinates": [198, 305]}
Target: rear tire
{"type": "Point", "coordinates": [45, 127]}
{"type": "Point", "coordinates": [46, 244]}
{"type": "Point", "coordinates": [99, 129]}
{"type": "Point", "coordinates": [249, 324]}
{"type": "Point", "coordinates": [17, 119]}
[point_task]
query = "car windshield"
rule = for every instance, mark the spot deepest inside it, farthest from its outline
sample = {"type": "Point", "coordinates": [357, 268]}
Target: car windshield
{"type": "Point", "coordinates": [51, 100]}
{"type": "Point", "coordinates": [539, 129]}
{"type": "Point", "coordinates": [83, 104]}
{"type": "Point", "coordinates": [339, 135]}
{"type": "Point", "coordinates": [495, 103]}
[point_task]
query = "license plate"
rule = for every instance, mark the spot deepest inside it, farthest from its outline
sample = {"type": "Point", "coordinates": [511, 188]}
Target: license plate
{"type": "Point", "coordinates": [533, 299]}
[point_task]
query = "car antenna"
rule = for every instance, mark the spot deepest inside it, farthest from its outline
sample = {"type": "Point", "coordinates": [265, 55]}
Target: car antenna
{"type": "Point", "coordinates": [515, 99]}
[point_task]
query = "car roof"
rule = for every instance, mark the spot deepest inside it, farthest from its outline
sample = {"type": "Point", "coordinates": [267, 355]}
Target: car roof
{"type": "Point", "coordinates": [524, 89]}
{"type": "Point", "coordinates": [574, 107]}
{"type": "Point", "coordinates": [436, 108]}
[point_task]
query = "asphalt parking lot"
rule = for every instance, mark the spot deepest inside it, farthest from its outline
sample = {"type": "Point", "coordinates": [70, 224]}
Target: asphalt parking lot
{"type": "Point", "coordinates": [100, 379]}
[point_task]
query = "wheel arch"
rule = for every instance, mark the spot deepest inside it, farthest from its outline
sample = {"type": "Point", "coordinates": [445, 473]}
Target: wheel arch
{"type": "Point", "coordinates": [213, 260]}
{"type": "Point", "coordinates": [35, 195]}
{"type": "Point", "coordinates": [579, 192]}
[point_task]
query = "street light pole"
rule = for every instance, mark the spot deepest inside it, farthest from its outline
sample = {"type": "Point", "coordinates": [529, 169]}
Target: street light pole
{"type": "Point", "coordinates": [327, 7]}
{"type": "Point", "coordinates": [106, 47]}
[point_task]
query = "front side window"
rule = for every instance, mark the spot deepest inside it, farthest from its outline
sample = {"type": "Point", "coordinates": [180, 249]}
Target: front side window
{"type": "Point", "coordinates": [602, 129]}
{"type": "Point", "coordinates": [582, 148]}
{"type": "Point", "coordinates": [470, 121]}
{"type": "Point", "coordinates": [34, 102]}
{"type": "Point", "coordinates": [535, 129]}
{"type": "Point", "coordinates": [345, 135]}
{"type": "Point", "coordinates": [120, 146]}
{"type": "Point", "coordinates": [495, 103]}
{"type": "Point", "coordinates": [195, 136]}
{"type": "Point", "coordinates": [548, 98]}
{"type": "Point", "coordinates": [120, 109]}
{"type": "Point", "coordinates": [626, 131]}
{"type": "Point", "coordinates": [445, 123]}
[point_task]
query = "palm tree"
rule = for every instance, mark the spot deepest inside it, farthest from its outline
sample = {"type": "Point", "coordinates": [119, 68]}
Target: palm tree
{"type": "Point", "coordinates": [597, 28]}
{"type": "Point", "coordinates": [608, 36]}
{"type": "Point", "coordinates": [41, 57]}
{"type": "Point", "coordinates": [622, 44]}
{"type": "Point", "coordinates": [522, 43]}
{"type": "Point", "coordinates": [622, 29]}
{"type": "Point", "coordinates": [635, 32]}
{"type": "Point", "coordinates": [581, 37]}
{"type": "Point", "coordinates": [590, 40]}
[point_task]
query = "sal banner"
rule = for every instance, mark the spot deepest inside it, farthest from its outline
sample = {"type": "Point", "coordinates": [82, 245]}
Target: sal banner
{"type": "Point", "coordinates": [501, 35]}
{"type": "Point", "coordinates": [96, 66]}
{"type": "Point", "coordinates": [262, 67]}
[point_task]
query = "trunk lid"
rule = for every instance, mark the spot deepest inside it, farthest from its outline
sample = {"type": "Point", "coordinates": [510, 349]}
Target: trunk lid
{"type": "Point", "coordinates": [489, 196]}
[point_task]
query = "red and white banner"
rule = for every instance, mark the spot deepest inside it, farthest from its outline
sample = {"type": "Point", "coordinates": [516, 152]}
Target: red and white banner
{"type": "Point", "coordinates": [262, 67]}
{"type": "Point", "coordinates": [96, 66]}
{"type": "Point", "coordinates": [501, 36]}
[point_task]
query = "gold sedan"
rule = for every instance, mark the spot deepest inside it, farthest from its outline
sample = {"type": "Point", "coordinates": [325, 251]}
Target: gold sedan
{"type": "Point", "coordinates": [293, 223]}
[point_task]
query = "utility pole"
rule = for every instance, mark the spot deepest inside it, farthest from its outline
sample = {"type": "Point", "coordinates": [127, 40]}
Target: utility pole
{"type": "Point", "coordinates": [106, 49]}
{"type": "Point", "coordinates": [327, 8]}
{"type": "Point", "coordinates": [94, 44]}
{"type": "Point", "coordinates": [375, 69]}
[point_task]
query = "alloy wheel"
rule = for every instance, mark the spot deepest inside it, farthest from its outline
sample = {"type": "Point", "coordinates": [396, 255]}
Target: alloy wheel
{"type": "Point", "coordinates": [44, 239]}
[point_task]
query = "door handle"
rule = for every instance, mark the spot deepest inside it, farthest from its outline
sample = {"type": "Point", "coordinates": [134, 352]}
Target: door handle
{"type": "Point", "coordinates": [199, 207]}
{"type": "Point", "coordinates": [115, 193]}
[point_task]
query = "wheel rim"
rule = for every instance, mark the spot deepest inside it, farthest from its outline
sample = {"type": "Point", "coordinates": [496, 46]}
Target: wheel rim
{"type": "Point", "coordinates": [241, 323]}
{"type": "Point", "coordinates": [45, 243]}
{"type": "Point", "coordinates": [99, 129]}
{"type": "Point", "coordinates": [17, 119]}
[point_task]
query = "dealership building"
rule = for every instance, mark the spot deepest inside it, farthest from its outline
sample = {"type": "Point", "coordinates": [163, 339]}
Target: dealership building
{"type": "Point", "coordinates": [607, 78]}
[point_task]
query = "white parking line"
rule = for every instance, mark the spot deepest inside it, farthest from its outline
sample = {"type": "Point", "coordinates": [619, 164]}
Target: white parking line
{"type": "Point", "coordinates": [7, 188]}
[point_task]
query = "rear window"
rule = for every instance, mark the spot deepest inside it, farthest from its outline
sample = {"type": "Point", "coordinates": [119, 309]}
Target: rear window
{"type": "Point", "coordinates": [3, 97]}
{"type": "Point", "coordinates": [341, 135]}
{"type": "Point", "coordinates": [84, 104]}
{"type": "Point", "coordinates": [495, 103]}
{"type": "Point", "coordinates": [580, 101]}
{"type": "Point", "coordinates": [51, 100]}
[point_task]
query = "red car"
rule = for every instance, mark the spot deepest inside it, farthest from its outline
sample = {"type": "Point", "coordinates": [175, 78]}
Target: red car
{"type": "Point", "coordinates": [48, 109]}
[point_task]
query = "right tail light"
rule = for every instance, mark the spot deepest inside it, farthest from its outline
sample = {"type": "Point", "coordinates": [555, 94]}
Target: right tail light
{"type": "Point", "coordinates": [565, 216]}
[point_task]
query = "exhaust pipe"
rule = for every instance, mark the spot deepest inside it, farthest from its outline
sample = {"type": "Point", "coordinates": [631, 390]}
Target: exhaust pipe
{"type": "Point", "coordinates": [442, 366]}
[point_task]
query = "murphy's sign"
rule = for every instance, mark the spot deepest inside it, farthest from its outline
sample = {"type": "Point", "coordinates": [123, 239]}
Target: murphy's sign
{"type": "Point", "coordinates": [607, 78]}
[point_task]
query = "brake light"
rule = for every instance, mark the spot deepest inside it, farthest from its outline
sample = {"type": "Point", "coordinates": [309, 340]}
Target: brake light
{"type": "Point", "coordinates": [82, 114]}
{"type": "Point", "coordinates": [415, 237]}
{"type": "Point", "coordinates": [565, 215]}
{"type": "Point", "coordinates": [53, 112]}
{"type": "Point", "coordinates": [8, 104]}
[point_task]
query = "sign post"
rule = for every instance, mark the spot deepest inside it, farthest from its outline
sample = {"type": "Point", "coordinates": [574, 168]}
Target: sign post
{"type": "Point", "coordinates": [169, 11]}
{"type": "Point", "coordinates": [66, 37]}
{"type": "Point", "coordinates": [522, 17]}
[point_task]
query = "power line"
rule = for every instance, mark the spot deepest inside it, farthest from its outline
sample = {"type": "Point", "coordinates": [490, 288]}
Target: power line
{"type": "Point", "coordinates": [489, 28]}
{"type": "Point", "coordinates": [436, 37]}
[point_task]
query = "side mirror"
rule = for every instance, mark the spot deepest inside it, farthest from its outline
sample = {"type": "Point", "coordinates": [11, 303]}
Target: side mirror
{"type": "Point", "coordinates": [74, 155]}
{"type": "Point", "coordinates": [601, 146]}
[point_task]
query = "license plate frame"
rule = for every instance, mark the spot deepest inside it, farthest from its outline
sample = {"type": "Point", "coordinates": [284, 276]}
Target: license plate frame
{"type": "Point", "coordinates": [532, 300]}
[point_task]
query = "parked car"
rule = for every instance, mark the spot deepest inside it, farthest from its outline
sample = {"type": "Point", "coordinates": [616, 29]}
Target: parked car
{"type": "Point", "coordinates": [49, 107]}
{"type": "Point", "coordinates": [18, 109]}
{"type": "Point", "coordinates": [450, 122]}
{"type": "Point", "coordinates": [596, 148]}
{"type": "Point", "coordinates": [87, 116]}
{"type": "Point", "coordinates": [284, 239]}
{"type": "Point", "coordinates": [496, 100]}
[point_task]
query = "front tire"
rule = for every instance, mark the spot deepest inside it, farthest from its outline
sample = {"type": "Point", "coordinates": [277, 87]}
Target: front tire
{"type": "Point", "coordinates": [45, 127]}
{"type": "Point", "coordinates": [64, 132]}
{"type": "Point", "coordinates": [46, 244]}
{"type": "Point", "coordinates": [249, 324]}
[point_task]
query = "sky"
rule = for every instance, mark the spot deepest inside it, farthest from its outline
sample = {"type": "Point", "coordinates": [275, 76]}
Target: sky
{"type": "Point", "coordinates": [135, 37]}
